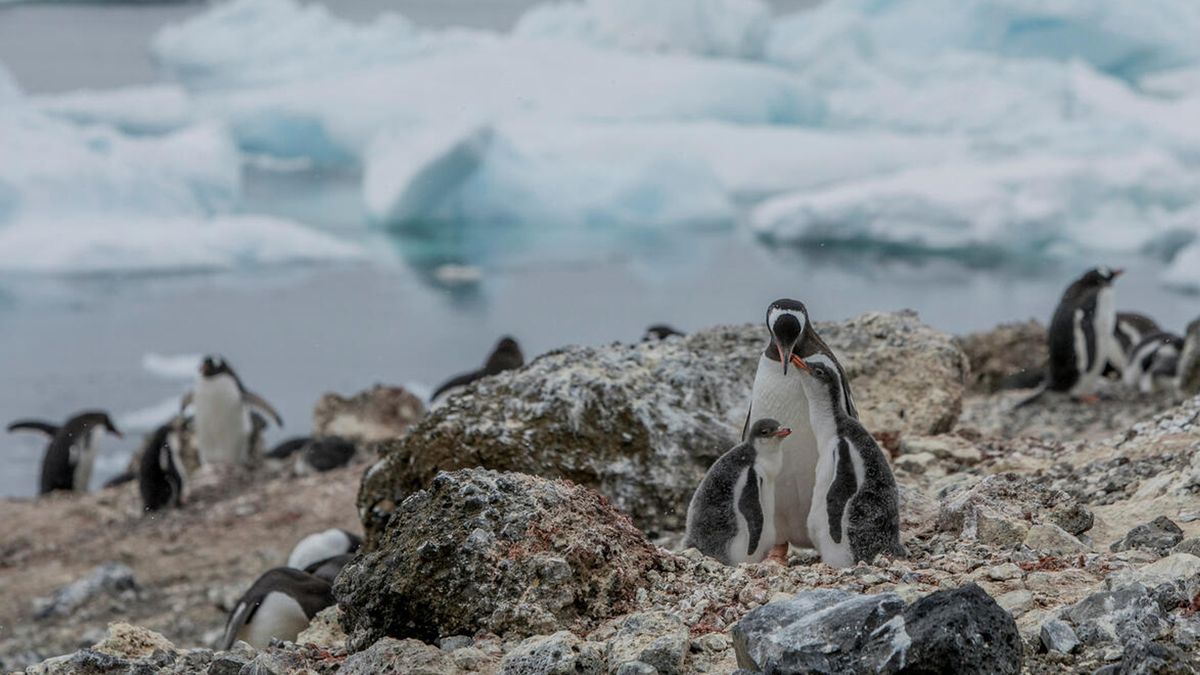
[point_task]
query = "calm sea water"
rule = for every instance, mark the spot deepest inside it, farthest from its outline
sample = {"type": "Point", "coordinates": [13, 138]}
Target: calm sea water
{"type": "Point", "coordinates": [68, 343]}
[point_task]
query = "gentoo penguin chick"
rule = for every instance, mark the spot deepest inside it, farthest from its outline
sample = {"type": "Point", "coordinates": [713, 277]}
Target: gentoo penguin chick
{"type": "Point", "coordinates": [778, 394]}
{"type": "Point", "coordinates": [279, 605]}
{"type": "Point", "coordinates": [71, 453]}
{"type": "Point", "coordinates": [731, 515]}
{"type": "Point", "coordinates": [323, 545]}
{"type": "Point", "coordinates": [1154, 362]}
{"type": "Point", "coordinates": [224, 431]}
{"type": "Point", "coordinates": [506, 355]}
{"type": "Point", "coordinates": [329, 569]}
{"type": "Point", "coordinates": [660, 331]}
{"type": "Point", "coordinates": [1128, 331]}
{"type": "Point", "coordinates": [162, 473]}
{"type": "Point", "coordinates": [855, 509]}
{"type": "Point", "coordinates": [1081, 337]}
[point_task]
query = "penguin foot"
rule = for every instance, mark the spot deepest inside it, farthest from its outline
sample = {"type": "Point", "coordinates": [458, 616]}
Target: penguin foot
{"type": "Point", "coordinates": [1090, 399]}
{"type": "Point", "coordinates": [778, 555]}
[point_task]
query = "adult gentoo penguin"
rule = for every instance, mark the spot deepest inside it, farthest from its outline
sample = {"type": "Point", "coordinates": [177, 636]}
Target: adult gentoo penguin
{"type": "Point", "coordinates": [162, 472]}
{"type": "Point", "coordinates": [506, 355]}
{"type": "Point", "coordinates": [855, 510]}
{"type": "Point", "coordinates": [1081, 337]}
{"type": "Point", "coordinates": [1154, 362]}
{"type": "Point", "coordinates": [67, 464]}
{"type": "Point", "coordinates": [323, 545]}
{"type": "Point", "coordinates": [779, 394]}
{"type": "Point", "coordinates": [731, 515]}
{"type": "Point", "coordinates": [222, 417]}
{"type": "Point", "coordinates": [279, 605]}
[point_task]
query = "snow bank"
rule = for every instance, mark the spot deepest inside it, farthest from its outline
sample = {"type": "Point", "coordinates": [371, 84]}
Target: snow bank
{"type": "Point", "coordinates": [559, 174]}
{"type": "Point", "coordinates": [153, 109]}
{"type": "Point", "coordinates": [720, 28]}
{"type": "Point", "coordinates": [1021, 205]}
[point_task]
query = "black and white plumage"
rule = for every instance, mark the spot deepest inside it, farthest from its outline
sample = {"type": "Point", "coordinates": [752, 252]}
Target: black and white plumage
{"type": "Point", "coordinates": [779, 394]}
{"type": "Point", "coordinates": [323, 545]}
{"type": "Point", "coordinates": [71, 453]}
{"type": "Point", "coordinates": [330, 568]}
{"type": "Point", "coordinates": [1129, 331]}
{"type": "Point", "coordinates": [315, 454]}
{"type": "Point", "coordinates": [162, 472]}
{"type": "Point", "coordinates": [223, 422]}
{"type": "Point", "coordinates": [661, 331]}
{"type": "Point", "coordinates": [1154, 362]}
{"type": "Point", "coordinates": [279, 605]}
{"type": "Point", "coordinates": [731, 516]}
{"type": "Point", "coordinates": [506, 355]}
{"type": "Point", "coordinates": [855, 512]}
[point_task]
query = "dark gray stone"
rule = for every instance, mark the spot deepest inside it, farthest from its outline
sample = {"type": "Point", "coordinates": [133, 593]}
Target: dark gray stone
{"type": "Point", "coordinates": [1160, 534]}
{"type": "Point", "coordinates": [1151, 658]}
{"type": "Point", "coordinates": [113, 578]}
{"type": "Point", "coordinates": [1117, 616]}
{"type": "Point", "coordinates": [560, 654]}
{"type": "Point", "coordinates": [961, 631]}
{"type": "Point", "coordinates": [1058, 636]}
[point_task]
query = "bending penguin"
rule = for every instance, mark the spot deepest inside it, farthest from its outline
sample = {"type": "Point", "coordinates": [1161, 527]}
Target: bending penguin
{"type": "Point", "coordinates": [1080, 338]}
{"type": "Point", "coordinates": [506, 355]}
{"type": "Point", "coordinates": [222, 419]}
{"type": "Point", "coordinates": [731, 516]}
{"type": "Point", "coordinates": [1154, 363]}
{"type": "Point", "coordinates": [855, 512]}
{"type": "Point", "coordinates": [321, 546]}
{"type": "Point", "coordinates": [279, 605]}
{"type": "Point", "coordinates": [162, 472]}
{"type": "Point", "coordinates": [71, 453]}
{"type": "Point", "coordinates": [780, 395]}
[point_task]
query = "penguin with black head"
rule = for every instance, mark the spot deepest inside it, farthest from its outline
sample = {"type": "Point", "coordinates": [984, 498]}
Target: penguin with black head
{"type": "Point", "coordinates": [506, 355]}
{"type": "Point", "coordinates": [71, 453]}
{"type": "Point", "coordinates": [224, 413]}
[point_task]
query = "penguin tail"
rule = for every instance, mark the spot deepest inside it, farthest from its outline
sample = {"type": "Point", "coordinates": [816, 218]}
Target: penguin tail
{"type": "Point", "coordinates": [34, 425]}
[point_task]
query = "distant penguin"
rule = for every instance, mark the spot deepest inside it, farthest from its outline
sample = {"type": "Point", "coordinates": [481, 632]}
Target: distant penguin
{"type": "Point", "coordinates": [1128, 331]}
{"type": "Point", "coordinates": [731, 516]}
{"type": "Point", "coordinates": [329, 568]}
{"type": "Point", "coordinates": [779, 394]}
{"type": "Point", "coordinates": [855, 509]}
{"type": "Point", "coordinates": [1081, 336]}
{"type": "Point", "coordinates": [506, 355]}
{"type": "Point", "coordinates": [315, 455]}
{"type": "Point", "coordinates": [1154, 362]}
{"type": "Point", "coordinates": [660, 331]}
{"type": "Point", "coordinates": [279, 605]}
{"type": "Point", "coordinates": [162, 474]}
{"type": "Point", "coordinates": [224, 430]}
{"type": "Point", "coordinates": [71, 453]}
{"type": "Point", "coordinates": [323, 545]}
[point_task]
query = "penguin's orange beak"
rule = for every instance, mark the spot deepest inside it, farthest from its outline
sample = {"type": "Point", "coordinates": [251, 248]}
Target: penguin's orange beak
{"type": "Point", "coordinates": [783, 432]}
{"type": "Point", "coordinates": [799, 363]}
{"type": "Point", "coordinates": [1117, 273]}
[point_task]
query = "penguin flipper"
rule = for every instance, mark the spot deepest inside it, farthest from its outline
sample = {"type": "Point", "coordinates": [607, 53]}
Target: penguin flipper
{"type": "Point", "coordinates": [261, 403]}
{"type": "Point", "coordinates": [34, 425]}
{"type": "Point", "coordinates": [746, 426]}
{"type": "Point", "coordinates": [241, 614]}
{"type": "Point", "coordinates": [186, 400]}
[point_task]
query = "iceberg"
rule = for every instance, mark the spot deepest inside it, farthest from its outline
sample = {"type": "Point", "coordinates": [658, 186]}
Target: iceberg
{"type": "Point", "coordinates": [1022, 205]}
{"type": "Point", "coordinates": [715, 28]}
{"type": "Point", "coordinates": [153, 109]}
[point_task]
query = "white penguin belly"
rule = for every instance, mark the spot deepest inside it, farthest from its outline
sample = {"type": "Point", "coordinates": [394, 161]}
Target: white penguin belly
{"type": "Point", "coordinates": [1105, 344]}
{"type": "Point", "coordinates": [279, 616]}
{"type": "Point", "coordinates": [221, 422]}
{"type": "Point", "coordinates": [782, 398]}
{"type": "Point", "coordinates": [836, 554]}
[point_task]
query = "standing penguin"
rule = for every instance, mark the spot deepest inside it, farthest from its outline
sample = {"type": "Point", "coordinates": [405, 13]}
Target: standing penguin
{"type": "Point", "coordinates": [855, 510]}
{"type": "Point", "coordinates": [731, 517]}
{"type": "Point", "coordinates": [279, 605]}
{"type": "Point", "coordinates": [162, 472]}
{"type": "Point", "coordinates": [1081, 337]}
{"type": "Point", "coordinates": [780, 395]}
{"type": "Point", "coordinates": [506, 355]}
{"type": "Point", "coordinates": [222, 419]}
{"type": "Point", "coordinates": [1154, 362]}
{"type": "Point", "coordinates": [67, 464]}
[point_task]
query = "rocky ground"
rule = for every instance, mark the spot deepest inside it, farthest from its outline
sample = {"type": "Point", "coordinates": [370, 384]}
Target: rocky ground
{"type": "Point", "coordinates": [1058, 537]}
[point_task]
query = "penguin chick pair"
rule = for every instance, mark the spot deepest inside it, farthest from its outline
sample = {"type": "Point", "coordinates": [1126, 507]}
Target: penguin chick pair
{"type": "Point", "coordinates": [71, 453]}
{"type": "Point", "coordinates": [855, 509]}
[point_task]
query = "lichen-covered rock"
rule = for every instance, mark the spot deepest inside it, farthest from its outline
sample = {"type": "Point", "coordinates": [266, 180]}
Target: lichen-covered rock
{"type": "Point", "coordinates": [1117, 616]}
{"type": "Point", "coordinates": [656, 639]}
{"type": "Point", "coordinates": [1142, 657]}
{"type": "Point", "coordinates": [400, 656]}
{"type": "Point", "coordinates": [1000, 509]}
{"type": "Point", "coordinates": [1004, 351]}
{"type": "Point", "coordinates": [132, 642]}
{"type": "Point", "coordinates": [1159, 535]}
{"type": "Point", "coordinates": [380, 413]}
{"type": "Point", "coordinates": [562, 653]}
{"type": "Point", "coordinates": [642, 423]}
{"type": "Point", "coordinates": [1056, 635]}
{"type": "Point", "coordinates": [1050, 539]}
{"type": "Point", "coordinates": [325, 629]}
{"type": "Point", "coordinates": [513, 554]}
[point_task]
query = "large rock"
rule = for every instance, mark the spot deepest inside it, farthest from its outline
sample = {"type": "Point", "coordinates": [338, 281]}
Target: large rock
{"type": "Point", "coordinates": [657, 639]}
{"type": "Point", "coordinates": [1159, 535]}
{"type": "Point", "coordinates": [562, 653]}
{"type": "Point", "coordinates": [1007, 350]}
{"type": "Point", "coordinates": [827, 631]}
{"type": "Point", "coordinates": [380, 413]}
{"type": "Point", "coordinates": [642, 423]}
{"type": "Point", "coordinates": [1000, 509]}
{"type": "Point", "coordinates": [508, 553]}
{"type": "Point", "coordinates": [1117, 616]}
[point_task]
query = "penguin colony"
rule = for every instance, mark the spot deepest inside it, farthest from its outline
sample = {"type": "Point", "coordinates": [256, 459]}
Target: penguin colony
{"type": "Point", "coordinates": [806, 473]}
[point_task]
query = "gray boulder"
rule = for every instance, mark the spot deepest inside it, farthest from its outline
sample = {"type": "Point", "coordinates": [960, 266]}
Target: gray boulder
{"type": "Point", "coordinates": [1160, 535]}
{"type": "Point", "coordinates": [1117, 616]}
{"type": "Point", "coordinates": [562, 653]}
{"type": "Point", "coordinates": [656, 639]}
{"type": "Point", "coordinates": [958, 631]}
{"type": "Point", "coordinates": [513, 554]}
{"type": "Point", "coordinates": [112, 579]}
{"type": "Point", "coordinates": [642, 423]}
{"type": "Point", "coordinates": [1057, 636]}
